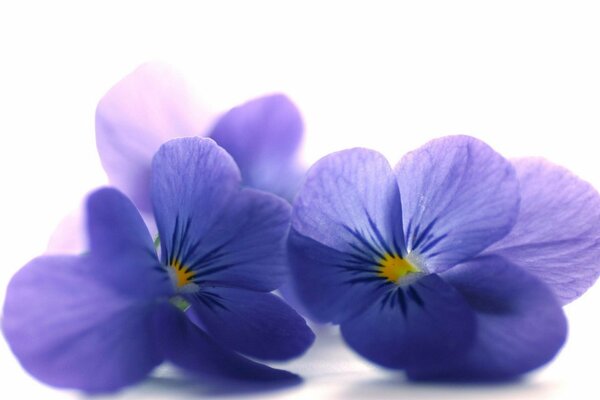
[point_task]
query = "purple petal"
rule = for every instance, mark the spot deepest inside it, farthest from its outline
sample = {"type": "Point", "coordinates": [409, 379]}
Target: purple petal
{"type": "Point", "coordinates": [120, 240]}
{"type": "Point", "coordinates": [520, 323]}
{"type": "Point", "coordinates": [227, 236]}
{"type": "Point", "coordinates": [557, 234]}
{"type": "Point", "coordinates": [69, 329]}
{"type": "Point", "coordinates": [256, 324]}
{"type": "Point", "coordinates": [350, 203]}
{"type": "Point", "coordinates": [422, 324]}
{"type": "Point", "coordinates": [458, 197]}
{"type": "Point", "coordinates": [141, 112]}
{"type": "Point", "coordinates": [263, 136]}
{"type": "Point", "coordinates": [330, 284]}
{"type": "Point", "coordinates": [189, 347]}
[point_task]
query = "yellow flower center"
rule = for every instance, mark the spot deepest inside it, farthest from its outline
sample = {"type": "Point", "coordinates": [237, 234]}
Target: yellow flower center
{"type": "Point", "coordinates": [394, 268]}
{"type": "Point", "coordinates": [183, 275]}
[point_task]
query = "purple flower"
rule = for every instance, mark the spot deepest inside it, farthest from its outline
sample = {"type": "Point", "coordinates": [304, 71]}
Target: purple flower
{"type": "Point", "coordinates": [453, 265]}
{"type": "Point", "coordinates": [105, 319]}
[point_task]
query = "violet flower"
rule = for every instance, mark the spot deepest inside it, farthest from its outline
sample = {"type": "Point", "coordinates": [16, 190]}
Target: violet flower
{"type": "Point", "coordinates": [103, 320]}
{"type": "Point", "coordinates": [452, 266]}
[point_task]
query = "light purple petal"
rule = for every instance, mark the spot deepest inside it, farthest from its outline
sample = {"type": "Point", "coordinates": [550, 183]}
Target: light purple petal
{"type": "Point", "coordinates": [256, 324]}
{"type": "Point", "coordinates": [69, 329]}
{"type": "Point", "coordinates": [458, 197]}
{"type": "Point", "coordinates": [521, 325]}
{"type": "Point", "coordinates": [263, 136]}
{"type": "Point", "coordinates": [141, 112]}
{"type": "Point", "coordinates": [557, 234]}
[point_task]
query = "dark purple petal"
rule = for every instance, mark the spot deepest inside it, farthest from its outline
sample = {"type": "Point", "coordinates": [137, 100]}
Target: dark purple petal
{"type": "Point", "coordinates": [521, 325]}
{"type": "Point", "coordinates": [263, 136]}
{"type": "Point", "coordinates": [557, 234]}
{"type": "Point", "coordinates": [333, 286]}
{"type": "Point", "coordinates": [458, 197]}
{"type": "Point", "coordinates": [119, 240]}
{"type": "Point", "coordinates": [259, 325]}
{"type": "Point", "coordinates": [189, 347]}
{"type": "Point", "coordinates": [145, 109]}
{"type": "Point", "coordinates": [350, 203]}
{"type": "Point", "coordinates": [227, 236]}
{"type": "Point", "coordinates": [423, 324]}
{"type": "Point", "coordinates": [69, 329]}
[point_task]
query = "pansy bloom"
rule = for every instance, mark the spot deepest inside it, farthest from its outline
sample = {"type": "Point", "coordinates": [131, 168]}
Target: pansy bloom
{"type": "Point", "coordinates": [453, 265]}
{"type": "Point", "coordinates": [105, 319]}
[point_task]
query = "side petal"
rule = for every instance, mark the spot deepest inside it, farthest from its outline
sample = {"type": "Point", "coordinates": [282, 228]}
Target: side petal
{"type": "Point", "coordinates": [145, 109]}
{"type": "Point", "coordinates": [458, 197]}
{"type": "Point", "coordinates": [333, 286]}
{"type": "Point", "coordinates": [557, 234]}
{"type": "Point", "coordinates": [521, 325]}
{"type": "Point", "coordinates": [422, 324]}
{"type": "Point", "coordinates": [226, 236]}
{"type": "Point", "coordinates": [259, 325]}
{"type": "Point", "coordinates": [263, 137]}
{"type": "Point", "coordinates": [349, 202]}
{"type": "Point", "coordinates": [70, 330]}
{"type": "Point", "coordinates": [119, 239]}
{"type": "Point", "coordinates": [189, 347]}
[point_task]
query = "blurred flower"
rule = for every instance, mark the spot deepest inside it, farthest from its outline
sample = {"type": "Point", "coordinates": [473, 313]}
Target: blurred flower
{"type": "Point", "coordinates": [105, 319]}
{"type": "Point", "coordinates": [451, 265]}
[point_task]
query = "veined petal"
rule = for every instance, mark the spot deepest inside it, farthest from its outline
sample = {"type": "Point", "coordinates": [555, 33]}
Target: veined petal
{"type": "Point", "coordinates": [141, 112]}
{"type": "Point", "coordinates": [69, 329]}
{"type": "Point", "coordinates": [521, 325]}
{"type": "Point", "coordinates": [223, 235]}
{"type": "Point", "coordinates": [458, 197]}
{"type": "Point", "coordinates": [189, 347]}
{"type": "Point", "coordinates": [425, 323]}
{"type": "Point", "coordinates": [333, 286]}
{"type": "Point", "coordinates": [119, 239]}
{"type": "Point", "coordinates": [350, 203]}
{"type": "Point", "coordinates": [557, 234]}
{"type": "Point", "coordinates": [256, 324]}
{"type": "Point", "coordinates": [263, 136]}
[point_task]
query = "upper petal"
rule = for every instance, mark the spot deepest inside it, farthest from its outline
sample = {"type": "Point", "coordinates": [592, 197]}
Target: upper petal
{"type": "Point", "coordinates": [423, 324]}
{"type": "Point", "coordinates": [557, 234]}
{"type": "Point", "coordinates": [226, 236]}
{"type": "Point", "coordinates": [145, 109]}
{"type": "Point", "coordinates": [70, 329]}
{"type": "Point", "coordinates": [458, 197]}
{"type": "Point", "coordinates": [189, 347]}
{"type": "Point", "coordinates": [263, 136]}
{"type": "Point", "coordinates": [520, 323]}
{"type": "Point", "coordinates": [256, 324]}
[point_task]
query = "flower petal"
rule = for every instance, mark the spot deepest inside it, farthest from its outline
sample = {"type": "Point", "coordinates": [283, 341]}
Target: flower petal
{"type": "Point", "coordinates": [557, 234]}
{"type": "Point", "coordinates": [227, 236]}
{"type": "Point", "coordinates": [458, 197]}
{"type": "Point", "coordinates": [520, 323]}
{"type": "Point", "coordinates": [418, 325]}
{"type": "Point", "coordinates": [256, 324]}
{"type": "Point", "coordinates": [189, 347]}
{"type": "Point", "coordinates": [329, 283]}
{"type": "Point", "coordinates": [350, 203]}
{"type": "Point", "coordinates": [141, 112]}
{"type": "Point", "coordinates": [69, 329]}
{"type": "Point", "coordinates": [119, 239]}
{"type": "Point", "coordinates": [263, 136]}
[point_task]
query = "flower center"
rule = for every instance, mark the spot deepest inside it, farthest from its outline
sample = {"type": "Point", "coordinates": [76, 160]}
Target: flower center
{"type": "Point", "coordinates": [394, 268]}
{"type": "Point", "coordinates": [182, 274]}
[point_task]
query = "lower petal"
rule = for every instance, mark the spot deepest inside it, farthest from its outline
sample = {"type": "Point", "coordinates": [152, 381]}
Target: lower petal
{"type": "Point", "coordinates": [419, 325]}
{"type": "Point", "coordinates": [257, 324]}
{"type": "Point", "coordinates": [189, 347]}
{"type": "Point", "coordinates": [521, 325]}
{"type": "Point", "coordinates": [69, 330]}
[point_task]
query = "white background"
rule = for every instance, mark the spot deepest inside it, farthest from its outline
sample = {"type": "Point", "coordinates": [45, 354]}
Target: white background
{"type": "Point", "coordinates": [522, 75]}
